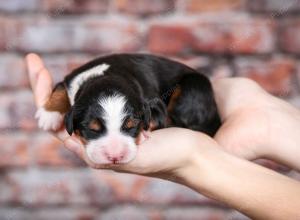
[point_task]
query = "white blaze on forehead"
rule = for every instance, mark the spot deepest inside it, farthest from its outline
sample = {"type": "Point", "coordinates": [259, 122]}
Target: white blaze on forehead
{"type": "Point", "coordinates": [114, 112]}
{"type": "Point", "coordinates": [84, 76]}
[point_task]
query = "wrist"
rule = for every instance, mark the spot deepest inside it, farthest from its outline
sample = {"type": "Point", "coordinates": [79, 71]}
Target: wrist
{"type": "Point", "coordinates": [198, 165]}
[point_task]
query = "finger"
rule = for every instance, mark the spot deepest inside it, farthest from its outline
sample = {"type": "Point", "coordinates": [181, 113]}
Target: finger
{"type": "Point", "coordinates": [40, 79]}
{"type": "Point", "coordinates": [143, 136]}
{"type": "Point", "coordinates": [62, 134]}
{"type": "Point", "coordinates": [74, 146]}
{"type": "Point", "coordinates": [34, 66]}
{"type": "Point", "coordinates": [43, 88]}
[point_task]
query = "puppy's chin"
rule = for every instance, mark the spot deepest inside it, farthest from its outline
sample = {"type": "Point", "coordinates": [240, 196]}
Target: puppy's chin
{"type": "Point", "coordinates": [102, 152]}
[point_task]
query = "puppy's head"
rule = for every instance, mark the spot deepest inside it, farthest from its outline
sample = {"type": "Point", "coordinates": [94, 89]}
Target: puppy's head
{"type": "Point", "coordinates": [109, 125]}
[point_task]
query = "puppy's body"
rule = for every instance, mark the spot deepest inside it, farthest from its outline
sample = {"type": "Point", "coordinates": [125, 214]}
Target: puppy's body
{"type": "Point", "coordinates": [111, 100]}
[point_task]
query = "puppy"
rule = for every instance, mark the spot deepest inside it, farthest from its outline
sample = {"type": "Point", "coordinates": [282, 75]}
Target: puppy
{"type": "Point", "coordinates": [111, 101]}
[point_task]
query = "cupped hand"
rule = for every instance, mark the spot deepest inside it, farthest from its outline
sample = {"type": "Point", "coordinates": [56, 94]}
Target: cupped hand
{"type": "Point", "coordinates": [165, 151]}
{"type": "Point", "coordinates": [247, 111]}
{"type": "Point", "coordinates": [255, 123]}
{"type": "Point", "coordinates": [42, 84]}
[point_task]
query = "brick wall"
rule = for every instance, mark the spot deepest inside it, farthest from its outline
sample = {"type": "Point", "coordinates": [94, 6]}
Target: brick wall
{"type": "Point", "coordinates": [39, 179]}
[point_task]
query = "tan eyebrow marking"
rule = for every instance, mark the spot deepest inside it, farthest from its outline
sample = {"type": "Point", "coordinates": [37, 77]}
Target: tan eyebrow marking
{"type": "Point", "coordinates": [131, 123]}
{"type": "Point", "coordinates": [95, 125]}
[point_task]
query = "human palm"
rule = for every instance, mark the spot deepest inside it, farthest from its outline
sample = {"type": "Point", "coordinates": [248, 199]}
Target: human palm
{"type": "Point", "coordinates": [242, 106]}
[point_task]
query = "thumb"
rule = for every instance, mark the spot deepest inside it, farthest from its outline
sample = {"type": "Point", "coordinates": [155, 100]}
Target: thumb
{"type": "Point", "coordinates": [40, 79]}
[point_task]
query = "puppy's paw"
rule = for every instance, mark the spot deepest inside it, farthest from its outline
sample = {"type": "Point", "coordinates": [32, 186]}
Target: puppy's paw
{"type": "Point", "coordinates": [143, 136]}
{"type": "Point", "coordinates": [48, 120]}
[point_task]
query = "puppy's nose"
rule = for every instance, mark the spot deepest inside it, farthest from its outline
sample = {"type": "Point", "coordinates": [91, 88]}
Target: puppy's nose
{"type": "Point", "coordinates": [115, 159]}
{"type": "Point", "coordinates": [115, 156]}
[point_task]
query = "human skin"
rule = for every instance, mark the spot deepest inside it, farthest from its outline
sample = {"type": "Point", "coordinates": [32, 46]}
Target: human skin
{"type": "Point", "coordinates": [255, 125]}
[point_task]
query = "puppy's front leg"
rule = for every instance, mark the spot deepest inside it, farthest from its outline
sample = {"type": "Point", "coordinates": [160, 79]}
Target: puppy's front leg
{"type": "Point", "coordinates": [51, 115]}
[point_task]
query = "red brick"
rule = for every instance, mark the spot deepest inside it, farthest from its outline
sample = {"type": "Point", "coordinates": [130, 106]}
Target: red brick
{"type": "Point", "coordinates": [67, 213]}
{"type": "Point", "coordinates": [57, 66]}
{"type": "Point", "coordinates": [145, 7]}
{"type": "Point", "coordinates": [275, 75]}
{"type": "Point", "coordinates": [211, 37]}
{"type": "Point", "coordinates": [170, 213]}
{"type": "Point", "coordinates": [86, 186]}
{"type": "Point", "coordinates": [232, 35]}
{"type": "Point", "coordinates": [18, 5]}
{"type": "Point", "coordinates": [193, 213]}
{"type": "Point", "coordinates": [17, 110]}
{"type": "Point", "coordinates": [58, 8]}
{"type": "Point", "coordinates": [56, 187]}
{"type": "Point", "coordinates": [8, 33]}
{"type": "Point", "coordinates": [142, 190]}
{"type": "Point", "coordinates": [298, 75]}
{"type": "Point", "coordinates": [12, 72]}
{"type": "Point", "coordinates": [14, 150]}
{"type": "Point", "coordinates": [49, 151]}
{"type": "Point", "coordinates": [196, 62]}
{"type": "Point", "coordinates": [67, 35]}
{"type": "Point", "coordinates": [290, 36]}
{"type": "Point", "coordinates": [76, 61]}
{"type": "Point", "coordinates": [2, 34]}
{"type": "Point", "coordinates": [171, 39]}
{"type": "Point", "coordinates": [129, 212]}
{"type": "Point", "coordinates": [251, 36]}
{"type": "Point", "coordinates": [279, 7]}
{"type": "Point", "coordinates": [49, 213]}
{"type": "Point", "coordinates": [126, 211]}
{"type": "Point", "coordinates": [214, 68]}
{"type": "Point", "coordinates": [212, 5]}
{"type": "Point", "coordinates": [61, 65]}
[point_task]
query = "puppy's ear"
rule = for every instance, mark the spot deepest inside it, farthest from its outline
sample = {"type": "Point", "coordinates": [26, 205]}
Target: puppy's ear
{"type": "Point", "coordinates": [69, 122]}
{"type": "Point", "coordinates": [146, 116]}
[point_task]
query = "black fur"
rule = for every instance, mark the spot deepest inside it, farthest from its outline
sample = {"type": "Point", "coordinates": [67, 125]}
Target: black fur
{"type": "Point", "coordinates": [195, 108]}
{"type": "Point", "coordinates": [147, 82]}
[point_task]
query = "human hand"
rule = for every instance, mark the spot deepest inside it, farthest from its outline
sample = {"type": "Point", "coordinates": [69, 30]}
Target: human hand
{"type": "Point", "coordinates": [156, 157]}
{"type": "Point", "coordinates": [192, 158]}
{"type": "Point", "coordinates": [255, 123]}
{"type": "Point", "coordinates": [246, 109]}
{"type": "Point", "coordinates": [41, 84]}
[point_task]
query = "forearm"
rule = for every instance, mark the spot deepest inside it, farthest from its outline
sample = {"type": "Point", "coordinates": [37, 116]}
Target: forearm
{"type": "Point", "coordinates": [255, 191]}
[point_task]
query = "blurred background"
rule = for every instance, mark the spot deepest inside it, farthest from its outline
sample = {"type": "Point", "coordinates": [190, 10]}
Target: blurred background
{"type": "Point", "coordinates": [40, 179]}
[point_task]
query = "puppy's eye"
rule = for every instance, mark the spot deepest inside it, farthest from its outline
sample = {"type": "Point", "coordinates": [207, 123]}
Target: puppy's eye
{"type": "Point", "coordinates": [131, 123]}
{"type": "Point", "coordinates": [95, 125]}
